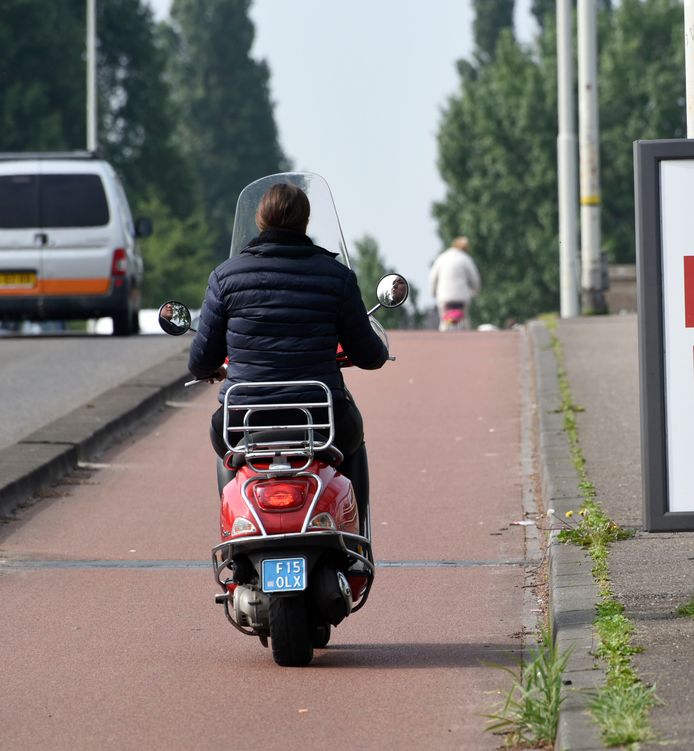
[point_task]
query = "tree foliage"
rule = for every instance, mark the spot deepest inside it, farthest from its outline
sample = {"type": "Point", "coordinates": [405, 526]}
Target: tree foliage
{"type": "Point", "coordinates": [641, 91]}
{"type": "Point", "coordinates": [491, 18]}
{"type": "Point", "coordinates": [497, 148]}
{"type": "Point", "coordinates": [496, 156]}
{"type": "Point", "coordinates": [178, 257]}
{"type": "Point", "coordinates": [137, 120]}
{"type": "Point", "coordinates": [542, 10]}
{"type": "Point", "coordinates": [41, 108]}
{"type": "Point", "coordinates": [227, 127]}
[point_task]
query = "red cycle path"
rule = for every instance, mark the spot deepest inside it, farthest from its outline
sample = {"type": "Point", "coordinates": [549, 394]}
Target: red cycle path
{"type": "Point", "coordinates": [120, 646]}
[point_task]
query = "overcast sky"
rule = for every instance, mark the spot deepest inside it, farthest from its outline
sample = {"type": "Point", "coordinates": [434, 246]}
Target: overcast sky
{"type": "Point", "coordinates": [358, 89]}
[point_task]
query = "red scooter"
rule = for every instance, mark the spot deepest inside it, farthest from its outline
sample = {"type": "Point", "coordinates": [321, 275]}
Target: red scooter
{"type": "Point", "coordinates": [292, 562]}
{"type": "Point", "coordinates": [294, 558]}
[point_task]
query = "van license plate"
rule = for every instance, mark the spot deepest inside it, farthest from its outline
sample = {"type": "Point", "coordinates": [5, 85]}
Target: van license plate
{"type": "Point", "coordinates": [284, 574]}
{"type": "Point", "coordinates": [17, 279]}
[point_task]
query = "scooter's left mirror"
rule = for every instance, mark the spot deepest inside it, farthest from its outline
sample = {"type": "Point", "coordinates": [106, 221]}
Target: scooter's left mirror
{"type": "Point", "coordinates": [174, 318]}
{"type": "Point", "coordinates": [392, 290]}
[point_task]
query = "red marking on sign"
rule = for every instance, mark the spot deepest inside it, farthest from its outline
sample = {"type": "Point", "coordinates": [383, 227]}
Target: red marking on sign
{"type": "Point", "coordinates": [689, 292]}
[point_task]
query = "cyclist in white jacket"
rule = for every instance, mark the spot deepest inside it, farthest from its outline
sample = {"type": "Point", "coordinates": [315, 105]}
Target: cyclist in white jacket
{"type": "Point", "coordinates": [454, 279]}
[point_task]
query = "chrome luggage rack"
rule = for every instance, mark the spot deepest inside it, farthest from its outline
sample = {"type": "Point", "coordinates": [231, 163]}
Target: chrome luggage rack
{"type": "Point", "coordinates": [281, 447]}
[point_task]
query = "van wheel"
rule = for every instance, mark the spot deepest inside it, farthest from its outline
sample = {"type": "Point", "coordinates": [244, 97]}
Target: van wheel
{"type": "Point", "coordinates": [135, 322]}
{"type": "Point", "coordinates": [122, 322]}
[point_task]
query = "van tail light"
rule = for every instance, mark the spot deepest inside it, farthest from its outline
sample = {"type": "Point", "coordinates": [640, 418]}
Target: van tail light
{"type": "Point", "coordinates": [119, 267]}
{"type": "Point", "coordinates": [280, 496]}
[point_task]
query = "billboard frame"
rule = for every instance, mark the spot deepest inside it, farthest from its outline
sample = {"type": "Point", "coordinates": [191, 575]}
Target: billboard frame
{"type": "Point", "coordinates": [648, 158]}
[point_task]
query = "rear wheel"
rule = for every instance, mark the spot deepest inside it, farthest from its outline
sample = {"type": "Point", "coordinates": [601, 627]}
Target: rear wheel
{"type": "Point", "coordinates": [289, 632]}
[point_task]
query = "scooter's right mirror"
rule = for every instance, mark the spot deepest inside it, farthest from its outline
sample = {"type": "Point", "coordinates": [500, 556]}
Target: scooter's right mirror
{"type": "Point", "coordinates": [174, 318]}
{"type": "Point", "coordinates": [392, 290]}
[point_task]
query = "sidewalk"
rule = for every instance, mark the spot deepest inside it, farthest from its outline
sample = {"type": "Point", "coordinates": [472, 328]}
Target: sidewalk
{"type": "Point", "coordinates": [651, 574]}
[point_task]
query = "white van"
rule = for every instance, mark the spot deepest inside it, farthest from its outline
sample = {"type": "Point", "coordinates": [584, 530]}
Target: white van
{"type": "Point", "coordinates": [68, 243]}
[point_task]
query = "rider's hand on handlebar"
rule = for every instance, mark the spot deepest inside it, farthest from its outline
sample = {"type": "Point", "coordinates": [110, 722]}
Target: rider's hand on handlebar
{"type": "Point", "coordinates": [219, 375]}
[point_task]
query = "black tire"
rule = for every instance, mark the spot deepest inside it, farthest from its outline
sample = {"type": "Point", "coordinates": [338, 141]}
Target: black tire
{"type": "Point", "coordinates": [135, 322]}
{"type": "Point", "coordinates": [289, 633]}
{"type": "Point", "coordinates": [320, 635]}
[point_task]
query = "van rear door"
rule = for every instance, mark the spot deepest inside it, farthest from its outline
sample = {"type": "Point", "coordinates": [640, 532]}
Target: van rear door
{"type": "Point", "coordinates": [21, 239]}
{"type": "Point", "coordinates": [78, 224]}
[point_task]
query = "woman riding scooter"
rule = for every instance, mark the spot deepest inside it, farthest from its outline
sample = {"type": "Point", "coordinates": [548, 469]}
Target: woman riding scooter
{"type": "Point", "coordinates": [278, 311]}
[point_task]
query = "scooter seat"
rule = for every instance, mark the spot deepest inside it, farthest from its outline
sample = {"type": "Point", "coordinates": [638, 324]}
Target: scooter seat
{"type": "Point", "coordinates": [285, 438]}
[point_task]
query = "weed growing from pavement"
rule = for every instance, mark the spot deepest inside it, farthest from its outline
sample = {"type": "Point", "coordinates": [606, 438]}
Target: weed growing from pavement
{"type": "Point", "coordinates": [530, 714]}
{"type": "Point", "coordinates": [686, 610]}
{"type": "Point", "coordinates": [621, 707]}
{"type": "Point", "coordinates": [622, 713]}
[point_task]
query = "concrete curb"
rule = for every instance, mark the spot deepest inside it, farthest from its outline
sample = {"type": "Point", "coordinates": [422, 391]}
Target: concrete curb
{"type": "Point", "coordinates": [46, 455]}
{"type": "Point", "coordinates": [573, 593]}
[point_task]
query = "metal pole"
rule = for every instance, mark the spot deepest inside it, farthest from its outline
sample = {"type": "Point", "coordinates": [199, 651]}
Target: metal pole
{"type": "Point", "coordinates": [566, 166]}
{"type": "Point", "coordinates": [589, 141]}
{"type": "Point", "coordinates": [689, 63]}
{"type": "Point", "coordinates": [92, 143]}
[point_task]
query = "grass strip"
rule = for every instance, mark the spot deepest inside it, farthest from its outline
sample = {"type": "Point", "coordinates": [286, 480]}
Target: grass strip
{"type": "Point", "coordinates": [621, 707]}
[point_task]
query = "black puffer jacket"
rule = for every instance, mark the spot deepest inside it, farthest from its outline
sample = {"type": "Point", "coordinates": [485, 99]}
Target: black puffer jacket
{"type": "Point", "coordinates": [278, 310]}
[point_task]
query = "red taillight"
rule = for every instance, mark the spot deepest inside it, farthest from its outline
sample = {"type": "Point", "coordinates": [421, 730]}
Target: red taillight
{"type": "Point", "coordinates": [273, 495]}
{"type": "Point", "coordinates": [119, 267]}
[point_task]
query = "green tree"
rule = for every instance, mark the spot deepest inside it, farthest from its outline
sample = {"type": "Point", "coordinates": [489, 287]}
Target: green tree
{"type": "Point", "coordinates": [497, 158]}
{"type": "Point", "coordinates": [541, 9]}
{"type": "Point", "coordinates": [497, 148]}
{"type": "Point", "coordinates": [491, 18]}
{"type": "Point", "coordinates": [227, 125]}
{"type": "Point", "coordinates": [138, 123]}
{"type": "Point", "coordinates": [641, 90]}
{"type": "Point", "coordinates": [178, 257]}
{"type": "Point", "coordinates": [41, 75]}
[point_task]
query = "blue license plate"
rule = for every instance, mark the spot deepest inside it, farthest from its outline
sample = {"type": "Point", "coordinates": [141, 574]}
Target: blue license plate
{"type": "Point", "coordinates": [284, 574]}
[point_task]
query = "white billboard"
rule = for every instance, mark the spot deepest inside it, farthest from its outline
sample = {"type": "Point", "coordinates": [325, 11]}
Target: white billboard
{"type": "Point", "coordinates": [677, 246]}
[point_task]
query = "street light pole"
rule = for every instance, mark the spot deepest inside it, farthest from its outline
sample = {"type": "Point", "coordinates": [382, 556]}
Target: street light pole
{"type": "Point", "coordinates": [92, 143]}
{"type": "Point", "coordinates": [566, 166]}
{"type": "Point", "coordinates": [589, 140]}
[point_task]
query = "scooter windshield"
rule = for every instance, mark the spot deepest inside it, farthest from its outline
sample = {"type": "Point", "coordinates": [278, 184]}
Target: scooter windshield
{"type": "Point", "coordinates": [323, 225]}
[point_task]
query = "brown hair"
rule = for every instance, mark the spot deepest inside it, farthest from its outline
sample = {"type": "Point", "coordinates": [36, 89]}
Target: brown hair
{"type": "Point", "coordinates": [462, 243]}
{"type": "Point", "coordinates": [283, 206]}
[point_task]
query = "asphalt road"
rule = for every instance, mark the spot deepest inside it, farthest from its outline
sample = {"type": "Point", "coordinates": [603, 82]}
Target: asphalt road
{"type": "Point", "coordinates": [111, 639]}
{"type": "Point", "coordinates": [43, 378]}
